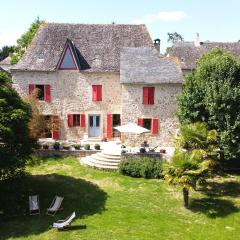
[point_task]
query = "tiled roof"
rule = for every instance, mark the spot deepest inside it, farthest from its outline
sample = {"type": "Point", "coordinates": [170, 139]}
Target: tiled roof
{"type": "Point", "coordinates": [146, 66]}
{"type": "Point", "coordinates": [99, 45]}
{"type": "Point", "coordinates": [188, 53]}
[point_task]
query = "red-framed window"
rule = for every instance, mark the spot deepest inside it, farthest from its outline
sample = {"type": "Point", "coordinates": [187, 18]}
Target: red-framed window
{"type": "Point", "coordinates": [97, 93]}
{"type": "Point", "coordinates": [68, 61]}
{"type": "Point", "coordinates": [148, 95]}
{"type": "Point", "coordinates": [149, 123]}
{"type": "Point", "coordinates": [44, 91]}
{"type": "Point", "coordinates": [76, 120]}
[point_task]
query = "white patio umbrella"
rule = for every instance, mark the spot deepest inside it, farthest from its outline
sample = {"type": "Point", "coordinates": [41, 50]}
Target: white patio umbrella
{"type": "Point", "coordinates": [131, 128]}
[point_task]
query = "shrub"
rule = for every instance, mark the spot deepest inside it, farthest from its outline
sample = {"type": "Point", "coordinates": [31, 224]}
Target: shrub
{"type": "Point", "coordinates": [97, 146]}
{"type": "Point", "coordinates": [56, 145]}
{"type": "Point", "coordinates": [141, 167]}
{"type": "Point", "coordinates": [77, 146]}
{"type": "Point", "coordinates": [87, 146]}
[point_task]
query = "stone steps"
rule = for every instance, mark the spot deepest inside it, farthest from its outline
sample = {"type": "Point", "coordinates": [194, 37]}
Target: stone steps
{"type": "Point", "coordinates": [103, 160]}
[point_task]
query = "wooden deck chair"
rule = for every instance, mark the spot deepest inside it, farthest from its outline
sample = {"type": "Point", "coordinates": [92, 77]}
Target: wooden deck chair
{"type": "Point", "coordinates": [55, 205]}
{"type": "Point", "coordinates": [64, 224]}
{"type": "Point", "coordinates": [34, 205]}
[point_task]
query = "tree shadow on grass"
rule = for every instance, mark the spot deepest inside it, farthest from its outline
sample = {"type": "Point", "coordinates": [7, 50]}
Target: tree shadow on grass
{"type": "Point", "coordinates": [212, 207]}
{"type": "Point", "coordinates": [81, 196]}
{"type": "Point", "coordinates": [231, 189]}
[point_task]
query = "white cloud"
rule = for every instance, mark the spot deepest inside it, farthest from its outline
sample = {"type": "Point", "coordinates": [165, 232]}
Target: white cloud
{"type": "Point", "coordinates": [8, 37]}
{"type": "Point", "coordinates": [161, 16]}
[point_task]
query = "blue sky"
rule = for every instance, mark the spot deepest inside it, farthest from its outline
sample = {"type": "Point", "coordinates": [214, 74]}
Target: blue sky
{"type": "Point", "coordinates": [215, 20]}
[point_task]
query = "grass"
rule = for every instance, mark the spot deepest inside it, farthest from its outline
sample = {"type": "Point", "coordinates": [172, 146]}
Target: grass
{"type": "Point", "coordinates": [111, 206]}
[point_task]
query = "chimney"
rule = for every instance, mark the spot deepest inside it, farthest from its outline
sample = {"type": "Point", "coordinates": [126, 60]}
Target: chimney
{"type": "Point", "coordinates": [197, 42]}
{"type": "Point", "coordinates": [157, 44]}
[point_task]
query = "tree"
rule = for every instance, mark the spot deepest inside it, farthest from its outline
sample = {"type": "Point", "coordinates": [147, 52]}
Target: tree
{"type": "Point", "coordinates": [212, 94]}
{"type": "Point", "coordinates": [38, 124]}
{"type": "Point", "coordinates": [195, 159]}
{"type": "Point", "coordinates": [24, 41]}
{"type": "Point", "coordinates": [174, 37]}
{"type": "Point", "coordinates": [6, 51]}
{"type": "Point", "coordinates": [15, 143]}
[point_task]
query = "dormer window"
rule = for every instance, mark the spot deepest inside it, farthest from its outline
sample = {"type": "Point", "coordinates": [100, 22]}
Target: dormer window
{"type": "Point", "coordinates": [68, 61]}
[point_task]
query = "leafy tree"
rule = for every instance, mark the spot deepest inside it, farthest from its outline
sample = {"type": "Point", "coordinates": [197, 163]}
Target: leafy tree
{"type": "Point", "coordinates": [212, 94]}
{"type": "Point", "coordinates": [6, 51]}
{"type": "Point", "coordinates": [197, 162]}
{"type": "Point", "coordinates": [15, 143]}
{"type": "Point", "coordinates": [38, 124]}
{"type": "Point", "coordinates": [25, 40]}
{"type": "Point", "coordinates": [174, 37]}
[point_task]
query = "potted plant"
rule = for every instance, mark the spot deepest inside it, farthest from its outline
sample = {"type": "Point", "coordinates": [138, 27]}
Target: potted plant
{"type": "Point", "coordinates": [142, 150]}
{"type": "Point", "coordinates": [77, 146]}
{"type": "Point", "coordinates": [56, 145]}
{"type": "Point", "coordinates": [97, 146]}
{"type": "Point", "coordinates": [162, 150]}
{"type": "Point", "coordinates": [87, 146]}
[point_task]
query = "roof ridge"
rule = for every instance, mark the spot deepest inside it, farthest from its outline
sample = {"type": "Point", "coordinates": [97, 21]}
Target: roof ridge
{"type": "Point", "coordinates": [95, 24]}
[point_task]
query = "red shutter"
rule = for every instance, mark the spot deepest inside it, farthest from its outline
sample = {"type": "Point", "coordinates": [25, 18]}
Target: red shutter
{"type": "Point", "coordinates": [55, 132]}
{"type": "Point", "coordinates": [109, 126]}
{"type": "Point", "coordinates": [145, 95]}
{"type": "Point", "coordinates": [31, 88]}
{"type": "Point", "coordinates": [155, 126]}
{"type": "Point", "coordinates": [47, 96]}
{"type": "Point", "coordinates": [70, 120]}
{"type": "Point", "coordinates": [140, 122]}
{"type": "Point", "coordinates": [151, 95]}
{"type": "Point", "coordinates": [83, 120]}
{"type": "Point", "coordinates": [99, 93]}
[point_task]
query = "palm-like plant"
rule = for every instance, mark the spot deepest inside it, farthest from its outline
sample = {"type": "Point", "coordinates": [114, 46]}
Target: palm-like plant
{"type": "Point", "coordinates": [196, 157]}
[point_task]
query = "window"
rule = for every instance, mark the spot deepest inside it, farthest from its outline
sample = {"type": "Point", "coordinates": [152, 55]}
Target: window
{"type": "Point", "coordinates": [76, 120]}
{"type": "Point", "coordinates": [43, 91]}
{"type": "Point", "coordinates": [68, 61]}
{"type": "Point", "coordinates": [97, 93]}
{"type": "Point", "coordinates": [148, 95]}
{"type": "Point", "coordinates": [116, 122]}
{"type": "Point", "coordinates": [40, 91]}
{"type": "Point", "coordinates": [147, 123]}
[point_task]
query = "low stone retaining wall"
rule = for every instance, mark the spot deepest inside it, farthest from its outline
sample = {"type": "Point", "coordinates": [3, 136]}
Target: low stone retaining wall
{"type": "Point", "coordinates": [64, 153]}
{"type": "Point", "coordinates": [141, 155]}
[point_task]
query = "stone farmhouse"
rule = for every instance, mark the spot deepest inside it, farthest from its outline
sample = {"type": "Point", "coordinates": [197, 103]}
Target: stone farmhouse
{"type": "Point", "coordinates": [93, 77]}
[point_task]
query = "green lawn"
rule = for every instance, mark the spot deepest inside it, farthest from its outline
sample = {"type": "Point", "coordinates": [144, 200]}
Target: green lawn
{"type": "Point", "coordinates": [111, 206]}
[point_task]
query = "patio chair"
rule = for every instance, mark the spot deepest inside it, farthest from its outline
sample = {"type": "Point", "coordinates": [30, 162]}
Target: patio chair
{"type": "Point", "coordinates": [64, 224]}
{"type": "Point", "coordinates": [55, 205]}
{"type": "Point", "coordinates": [153, 149]}
{"type": "Point", "coordinates": [34, 205]}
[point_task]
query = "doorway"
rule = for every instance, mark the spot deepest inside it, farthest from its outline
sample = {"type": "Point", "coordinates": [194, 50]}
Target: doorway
{"type": "Point", "coordinates": [94, 125]}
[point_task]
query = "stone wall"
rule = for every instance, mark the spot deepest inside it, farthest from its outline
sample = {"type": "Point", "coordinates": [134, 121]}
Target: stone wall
{"type": "Point", "coordinates": [71, 92]}
{"type": "Point", "coordinates": [64, 153]}
{"type": "Point", "coordinates": [164, 108]}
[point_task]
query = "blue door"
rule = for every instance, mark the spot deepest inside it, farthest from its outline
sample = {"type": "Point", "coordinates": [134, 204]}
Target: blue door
{"type": "Point", "coordinates": [94, 125]}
